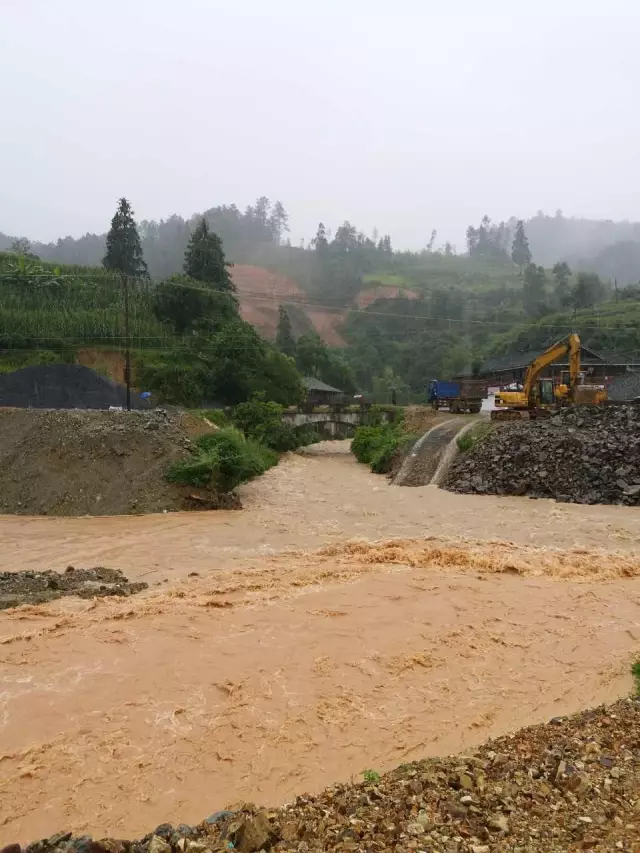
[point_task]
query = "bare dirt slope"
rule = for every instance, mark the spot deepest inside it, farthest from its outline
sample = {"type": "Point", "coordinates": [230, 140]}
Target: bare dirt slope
{"type": "Point", "coordinates": [77, 462]}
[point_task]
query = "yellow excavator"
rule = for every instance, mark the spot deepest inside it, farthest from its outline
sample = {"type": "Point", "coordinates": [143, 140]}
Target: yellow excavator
{"type": "Point", "coordinates": [538, 396]}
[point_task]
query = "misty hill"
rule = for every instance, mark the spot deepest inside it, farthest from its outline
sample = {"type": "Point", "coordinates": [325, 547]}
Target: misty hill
{"type": "Point", "coordinates": [257, 236]}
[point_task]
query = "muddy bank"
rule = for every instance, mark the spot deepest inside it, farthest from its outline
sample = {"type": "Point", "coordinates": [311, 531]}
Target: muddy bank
{"type": "Point", "coordinates": [571, 784]}
{"type": "Point", "coordinates": [80, 462]}
{"type": "Point", "coordinates": [18, 588]}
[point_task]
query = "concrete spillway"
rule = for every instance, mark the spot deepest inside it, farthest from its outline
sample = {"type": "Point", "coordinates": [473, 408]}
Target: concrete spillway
{"type": "Point", "coordinates": [432, 454]}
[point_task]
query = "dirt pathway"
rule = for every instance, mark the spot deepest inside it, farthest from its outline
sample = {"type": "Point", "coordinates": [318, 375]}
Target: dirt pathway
{"type": "Point", "coordinates": [305, 502]}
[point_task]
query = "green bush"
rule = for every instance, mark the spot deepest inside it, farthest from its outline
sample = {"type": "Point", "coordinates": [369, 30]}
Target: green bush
{"type": "Point", "coordinates": [377, 445]}
{"type": "Point", "coordinates": [226, 459]}
{"type": "Point", "coordinates": [262, 421]}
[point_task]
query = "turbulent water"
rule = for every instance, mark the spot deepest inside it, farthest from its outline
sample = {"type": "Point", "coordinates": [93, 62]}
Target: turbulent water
{"type": "Point", "coordinates": [303, 651]}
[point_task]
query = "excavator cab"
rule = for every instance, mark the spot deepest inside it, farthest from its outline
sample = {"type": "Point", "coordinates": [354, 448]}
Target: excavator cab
{"type": "Point", "coordinates": [545, 392]}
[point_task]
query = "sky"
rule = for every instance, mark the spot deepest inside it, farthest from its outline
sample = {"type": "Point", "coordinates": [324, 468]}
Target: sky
{"type": "Point", "coordinates": [402, 116]}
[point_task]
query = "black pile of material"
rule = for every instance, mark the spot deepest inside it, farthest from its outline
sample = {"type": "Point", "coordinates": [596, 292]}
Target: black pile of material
{"type": "Point", "coordinates": [586, 455]}
{"type": "Point", "coordinates": [62, 386]}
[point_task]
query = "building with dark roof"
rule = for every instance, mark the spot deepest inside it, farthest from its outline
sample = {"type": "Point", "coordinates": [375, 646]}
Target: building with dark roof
{"type": "Point", "coordinates": [600, 368]}
{"type": "Point", "coordinates": [319, 393]}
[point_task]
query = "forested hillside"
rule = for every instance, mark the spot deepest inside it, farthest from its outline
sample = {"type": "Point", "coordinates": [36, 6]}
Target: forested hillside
{"type": "Point", "coordinates": [345, 307]}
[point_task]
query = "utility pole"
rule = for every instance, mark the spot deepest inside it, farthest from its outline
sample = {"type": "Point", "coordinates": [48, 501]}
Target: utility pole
{"type": "Point", "coordinates": [127, 351]}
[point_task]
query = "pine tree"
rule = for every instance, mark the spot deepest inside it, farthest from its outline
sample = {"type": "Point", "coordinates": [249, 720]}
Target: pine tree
{"type": "Point", "coordinates": [284, 336]}
{"type": "Point", "coordinates": [320, 240]}
{"type": "Point", "coordinates": [278, 221]}
{"type": "Point", "coordinates": [562, 275]}
{"type": "Point", "coordinates": [533, 290]}
{"type": "Point", "coordinates": [520, 251]}
{"type": "Point", "coordinates": [204, 259]}
{"type": "Point", "coordinates": [124, 252]}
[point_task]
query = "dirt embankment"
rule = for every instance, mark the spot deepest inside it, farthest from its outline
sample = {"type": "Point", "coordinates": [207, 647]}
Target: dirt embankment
{"type": "Point", "coordinates": [585, 455]}
{"type": "Point", "coordinates": [80, 462]}
{"type": "Point", "coordinates": [570, 784]}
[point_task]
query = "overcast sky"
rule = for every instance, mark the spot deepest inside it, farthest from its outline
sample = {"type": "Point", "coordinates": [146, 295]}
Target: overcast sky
{"type": "Point", "coordinates": [405, 115]}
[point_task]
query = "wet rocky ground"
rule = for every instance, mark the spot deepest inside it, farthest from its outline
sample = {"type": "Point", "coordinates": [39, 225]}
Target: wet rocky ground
{"type": "Point", "coordinates": [571, 784]}
{"type": "Point", "coordinates": [30, 587]}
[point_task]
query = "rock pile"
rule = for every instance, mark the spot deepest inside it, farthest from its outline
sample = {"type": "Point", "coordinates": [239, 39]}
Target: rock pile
{"type": "Point", "coordinates": [586, 455]}
{"type": "Point", "coordinates": [571, 784]}
{"type": "Point", "coordinates": [30, 587]}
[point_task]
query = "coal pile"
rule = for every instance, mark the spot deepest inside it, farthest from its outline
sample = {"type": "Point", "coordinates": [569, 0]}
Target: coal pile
{"type": "Point", "coordinates": [29, 587]}
{"type": "Point", "coordinates": [585, 455]}
{"type": "Point", "coordinates": [62, 386]}
{"type": "Point", "coordinates": [570, 784]}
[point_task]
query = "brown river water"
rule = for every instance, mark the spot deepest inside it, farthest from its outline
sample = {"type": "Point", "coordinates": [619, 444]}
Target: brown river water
{"type": "Point", "coordinates": [301, 653]}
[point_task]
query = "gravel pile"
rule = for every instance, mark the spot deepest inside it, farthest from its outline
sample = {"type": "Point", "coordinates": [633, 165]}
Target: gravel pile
{"type": "Point", "coordinates": [81, 462]}
{"type": "Point", "coordinates": [626, 387]}
{"type": "Point", "coordinates": [572, 784]}
{"type": "Point", "coordinates": [586, 455]}
{"type": "Point", "coordinates": [28, 587]}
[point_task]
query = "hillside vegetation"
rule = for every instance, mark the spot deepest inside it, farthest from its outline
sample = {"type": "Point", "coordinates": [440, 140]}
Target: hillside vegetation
{"type": "Point", "coordinates": [346, 308]}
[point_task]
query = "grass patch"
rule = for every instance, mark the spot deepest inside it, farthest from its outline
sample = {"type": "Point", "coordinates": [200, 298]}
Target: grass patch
{"type": "Point", "coordinates": [473, 436]}
{"type": "Point", "coordinates": [217, 417]}
{"type": "Point", "coordinates": [372, 777]}
{"type": "Point", "coordinates": [635, 671]}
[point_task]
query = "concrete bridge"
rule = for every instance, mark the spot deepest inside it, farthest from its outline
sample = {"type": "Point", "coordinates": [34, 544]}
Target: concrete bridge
{"type": "Point", "coordinates": [335, 422]}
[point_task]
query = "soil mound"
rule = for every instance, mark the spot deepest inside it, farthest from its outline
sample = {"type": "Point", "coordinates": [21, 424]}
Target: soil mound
{"type": "Point", "coordinates": [570, 784]}
{"type": "Point", "coordinates": [18, 588]}
{"type": "Point", "coordinates": [61, 386]}
{"type": "Point", "coordinates": [586, 455]}
{"type": "Point", "coordinates": [79, 462]}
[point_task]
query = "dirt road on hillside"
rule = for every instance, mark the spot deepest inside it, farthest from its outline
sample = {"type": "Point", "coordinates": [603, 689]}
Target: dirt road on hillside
{"type": "Point", "coordinates": [276, 671]}
{"type": "Point", "coordinates": [305, 502]}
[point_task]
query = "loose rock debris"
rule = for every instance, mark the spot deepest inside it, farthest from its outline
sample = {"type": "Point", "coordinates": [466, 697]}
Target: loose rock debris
{"type": "Point", "coordinates": [27, 587]}
{"type": "Point", "coordinates": [585, 455]}
{"type": "Point", "coordinates": [571, 784]}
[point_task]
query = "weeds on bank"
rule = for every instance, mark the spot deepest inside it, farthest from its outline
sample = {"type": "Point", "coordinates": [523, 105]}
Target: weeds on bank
{"type": "Point", "coordinates": [635, 671]}
{"type": "Point", "coordinates": [372, 777]}
{"type": "Point", "coordinates": [474, 436]}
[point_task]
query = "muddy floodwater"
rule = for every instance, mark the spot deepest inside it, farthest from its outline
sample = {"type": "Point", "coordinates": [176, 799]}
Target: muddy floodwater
{"type": "Point", "coordinates": [335, 624]}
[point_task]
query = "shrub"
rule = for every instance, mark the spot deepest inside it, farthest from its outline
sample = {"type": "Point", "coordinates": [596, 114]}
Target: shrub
{"type": "Point", "coordinates": [262, 421]}
{"type": "Point", "coordinates": [364, 441]}
{"type": "Point", "coordinates": [377, 445]}
{"type": "Point", "coordinates": [226, 459]}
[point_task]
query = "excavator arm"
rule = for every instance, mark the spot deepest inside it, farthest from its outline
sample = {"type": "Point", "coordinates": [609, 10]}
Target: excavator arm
{"type": "Point", "coordinates": [570, 345]}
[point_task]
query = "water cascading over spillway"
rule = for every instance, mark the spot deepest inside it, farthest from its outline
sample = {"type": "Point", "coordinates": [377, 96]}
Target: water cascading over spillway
{"type": "Point", "coordinates": [432, 454]}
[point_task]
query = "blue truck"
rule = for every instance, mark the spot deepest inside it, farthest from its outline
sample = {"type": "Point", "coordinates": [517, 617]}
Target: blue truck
{"type": "Point", "coordinates": [457, 395]}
